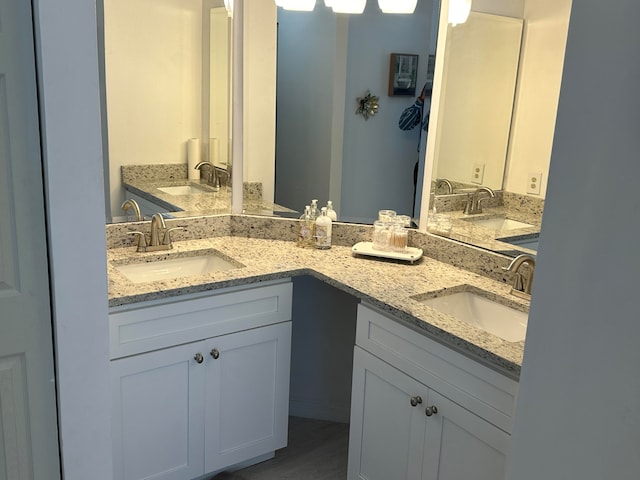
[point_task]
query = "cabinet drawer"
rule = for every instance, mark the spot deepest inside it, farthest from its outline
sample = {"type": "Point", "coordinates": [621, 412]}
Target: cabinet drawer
{"type": "Point", "coordinates": [155, 325]}
{"type": "Point", "coordinates": [475, 387]}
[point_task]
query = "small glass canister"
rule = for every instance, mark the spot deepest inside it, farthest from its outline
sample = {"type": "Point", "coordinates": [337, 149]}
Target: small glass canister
{"type": "Point", "coordinates": [399, 238]}
{"type": "Point", "coordinates": [386, 215]}
{"type": "Point", "coordinates": [382, 235]}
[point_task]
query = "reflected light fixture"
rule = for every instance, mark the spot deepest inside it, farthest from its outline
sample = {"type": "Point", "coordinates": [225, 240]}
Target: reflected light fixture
{"type": "Point", "coordinates": [348, 6]}
{"type": "Point", "coordinates": [298, 5]}
{"type": "Point", "coordinates": [228, 4]}
{"type": "Point", "coordinates": [459, 11]}
{"type": "Point", "coordinates": [397, 6]}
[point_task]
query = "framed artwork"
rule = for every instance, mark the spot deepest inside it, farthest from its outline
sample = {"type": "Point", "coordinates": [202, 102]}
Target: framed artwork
{"type": "Point", "coordinates": [403, 73]}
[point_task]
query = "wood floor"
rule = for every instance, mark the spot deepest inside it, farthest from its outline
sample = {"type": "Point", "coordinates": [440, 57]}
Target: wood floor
{"type": "Point", "coordinates": [317, 450]}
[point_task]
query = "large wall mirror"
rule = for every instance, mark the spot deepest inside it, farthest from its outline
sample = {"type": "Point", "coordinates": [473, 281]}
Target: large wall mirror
{"type": "Point", "coordinates": [319, 147]}
{"type": "Point", "coordinates": [167, 81]}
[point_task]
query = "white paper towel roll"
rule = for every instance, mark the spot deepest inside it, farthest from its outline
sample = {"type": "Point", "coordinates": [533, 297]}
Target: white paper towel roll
{"type": "Point", "coordinates": [193, 158]}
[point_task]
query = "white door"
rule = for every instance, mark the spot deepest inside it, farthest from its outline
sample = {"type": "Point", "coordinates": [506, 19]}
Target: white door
{"type": "Point", "coordinates": [28, 425]}
{"type": "Point", "coordinates": [247, 395]}
{"type": "Point", "coordinates": [386, 437]}
{"type": "Point", "coordinates": [157, 414]}
{"type": "Point", "coordinates": [462, 445]}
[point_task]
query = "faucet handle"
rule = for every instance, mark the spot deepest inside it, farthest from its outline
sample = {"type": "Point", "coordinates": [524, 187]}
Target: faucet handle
{"type": "Point", "coordinates": [166, 240]}
{"type": "Point", "coordinates": [142, 241]}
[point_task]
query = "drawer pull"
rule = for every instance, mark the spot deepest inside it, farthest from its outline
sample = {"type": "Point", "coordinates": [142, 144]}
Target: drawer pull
{"type": "Point", "coordinates": [416, 400]}
{"type": "Point", "coordinates": [432, 410]}
{"type": "Point", "coordinates": [198, 357]}
{"type": "Point", "coordinates": [215, 353]}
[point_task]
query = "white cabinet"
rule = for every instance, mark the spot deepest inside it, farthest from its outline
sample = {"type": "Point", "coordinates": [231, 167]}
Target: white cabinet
{"type": "Point", "coordinates": [157, 408]}
{"type": "Point", "coordinates": [179, 412]}
{"type": "Point", "coordinates": [422, 411]}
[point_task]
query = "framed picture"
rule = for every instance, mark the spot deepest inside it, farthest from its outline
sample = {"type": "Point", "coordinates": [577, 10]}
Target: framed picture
{"type": "Point", "coordinates": [403, 73]}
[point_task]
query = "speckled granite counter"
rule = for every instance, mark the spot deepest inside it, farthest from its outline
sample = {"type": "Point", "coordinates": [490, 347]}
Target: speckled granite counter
{"type": "Point", "coordinates": [387, 285]}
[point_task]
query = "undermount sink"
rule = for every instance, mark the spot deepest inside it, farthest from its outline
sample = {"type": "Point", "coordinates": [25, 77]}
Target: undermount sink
{"type": "Point", "coordinates": [481, 312]}
{"type": "Point", "coordinates": [183, 190]}
{"type": "Point", "coordinates": [500, 223]}
{"type": "Point", "coordinates": [177, 267]}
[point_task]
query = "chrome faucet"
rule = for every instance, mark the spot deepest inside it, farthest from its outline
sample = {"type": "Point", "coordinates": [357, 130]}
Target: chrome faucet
{"type": "Point", "coordinates": [523, 282]}
{"type": "Point", "coordinates": [160, 237]}
{"type": "Point", "coordinates": [443, 181]}
{"type": "Point", "coordinates": [211, 176]}
{"type": "Point", "coordinates": [473, 200]}
{"type": "Point", "coordinates": [133, 205]}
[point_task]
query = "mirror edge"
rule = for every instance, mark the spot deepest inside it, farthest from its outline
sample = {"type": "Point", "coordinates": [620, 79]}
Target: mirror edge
{"type": "Point", "coordinates": [429, 164]}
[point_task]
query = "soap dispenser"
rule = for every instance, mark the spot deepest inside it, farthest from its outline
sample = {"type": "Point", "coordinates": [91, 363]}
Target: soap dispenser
{"type": "Point", "coordinates": [307, 227]}
{"type": "Point", "coordinates": [323, 230]}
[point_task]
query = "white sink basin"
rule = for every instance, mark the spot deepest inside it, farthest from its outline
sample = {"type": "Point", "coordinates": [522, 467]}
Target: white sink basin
{"type": "Point", "coordinates": [500, 223]}
{"type": "Point", "coordinates": [503, 321]}
{"type": "Point", "coordinates": [183, 190]}
{"type": "Point", "coordinates": [177, 268]}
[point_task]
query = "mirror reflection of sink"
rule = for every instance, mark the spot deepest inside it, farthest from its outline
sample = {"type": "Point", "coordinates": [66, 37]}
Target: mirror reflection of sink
{"type": "Point", "coordinates": [500, 223]}
{"type": "Point", "coordinates": [180, 267]}
{"type": "Point", "coordinates": [183, 190]}
{"type": "Point", "coordinates": [474, 308]}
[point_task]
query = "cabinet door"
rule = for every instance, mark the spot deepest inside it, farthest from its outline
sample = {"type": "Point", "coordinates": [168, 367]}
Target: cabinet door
{"type": "Point", "coordinates": [460, 444]}
{"type": "Point", "coordinates": [246, 395]}
{"type": "Point", "coordinates": [157, 404]}
{"type": "Point", "coordinates": [386, 439]}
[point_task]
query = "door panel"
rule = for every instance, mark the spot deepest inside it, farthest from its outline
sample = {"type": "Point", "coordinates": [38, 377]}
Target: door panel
{"type": "Point", "coordinates": [157, 415]}
{"type": "Point", "coordinates": [28, 420]}
{"type": "Point", "coordinates": [386, 433]}
{"type": "Point", "coordinates": [462, 445]}
{"type": "Point", "coordinates": [247, 395]}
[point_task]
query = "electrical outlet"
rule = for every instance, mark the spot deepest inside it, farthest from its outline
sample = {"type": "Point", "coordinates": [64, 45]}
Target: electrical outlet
{"type": "Point", "coordinates": [534, 181]}
{"type": "Point", "coordinates": [478, 173]}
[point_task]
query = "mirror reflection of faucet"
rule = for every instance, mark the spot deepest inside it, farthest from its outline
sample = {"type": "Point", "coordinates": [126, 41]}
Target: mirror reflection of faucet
{"type": "Point", "coordinates": [473, 200]}
{"type": "Point", "coordinates": [210, 174]}
{"type": "Point", "coordinates": [444, 182]}
{"type": "Point", "coordinates": [131, 204]}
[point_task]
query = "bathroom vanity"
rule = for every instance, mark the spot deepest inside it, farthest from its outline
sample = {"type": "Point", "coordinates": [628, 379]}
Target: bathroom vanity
{"type": "Point", "coordinates": [427, 388]}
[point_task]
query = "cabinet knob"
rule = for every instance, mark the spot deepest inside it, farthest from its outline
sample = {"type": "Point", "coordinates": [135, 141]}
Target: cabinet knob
{"type": "Point", "coordinates": [215, 353]}
{"type": "Point", "coordinates": [432, 410]}
{"type": "Point", "coordinates": [198, 357]}
{"type": "Point", "coordinates": [416, 400]}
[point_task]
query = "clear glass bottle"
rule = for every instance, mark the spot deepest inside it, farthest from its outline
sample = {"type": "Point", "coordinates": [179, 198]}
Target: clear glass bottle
{"type": "Point", "coordinates": [305, 234]}
{"type": "Point", "coordinates": [314, 209]}
{"type": "Point", "coordinates": [331, 213]}
{"type": "Point", "coordinates": [323, 230]}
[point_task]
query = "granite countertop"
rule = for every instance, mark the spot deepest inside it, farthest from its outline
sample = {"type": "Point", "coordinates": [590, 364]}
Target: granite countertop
{"type": "Point", "coordinates": [387, 285]}
{"type": "Point", "coordinates": [210, 201]}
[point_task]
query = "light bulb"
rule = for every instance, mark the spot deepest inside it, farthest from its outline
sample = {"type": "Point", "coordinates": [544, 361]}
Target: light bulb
{"type": "Point", "coordinates": [348, 6]}
{"type": "Point", "coordinates": [459, 11]}
{"type": "Point", "coordinates": [298, 5]}
{"type": "Point", "coordinates": [397, 6]}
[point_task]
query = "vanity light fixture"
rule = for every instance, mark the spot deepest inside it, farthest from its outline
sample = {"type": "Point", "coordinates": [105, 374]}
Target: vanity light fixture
{"type": "Point", "coordinates": [459, 11]}
{"type": "Point", "coordinates": [297, 5]}
{"type": "Point", "coordinates": [397, 6]}
{"type": "Point", "coordinates": [348, 6]}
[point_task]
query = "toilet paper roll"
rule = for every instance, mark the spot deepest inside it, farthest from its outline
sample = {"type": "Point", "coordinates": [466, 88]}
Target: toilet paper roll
{"type": "Point", "coordinates": [193, 158]}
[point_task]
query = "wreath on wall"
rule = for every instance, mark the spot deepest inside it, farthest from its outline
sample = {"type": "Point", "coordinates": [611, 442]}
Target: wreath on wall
{"type": "Point", "coordinates": [367, 105]}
